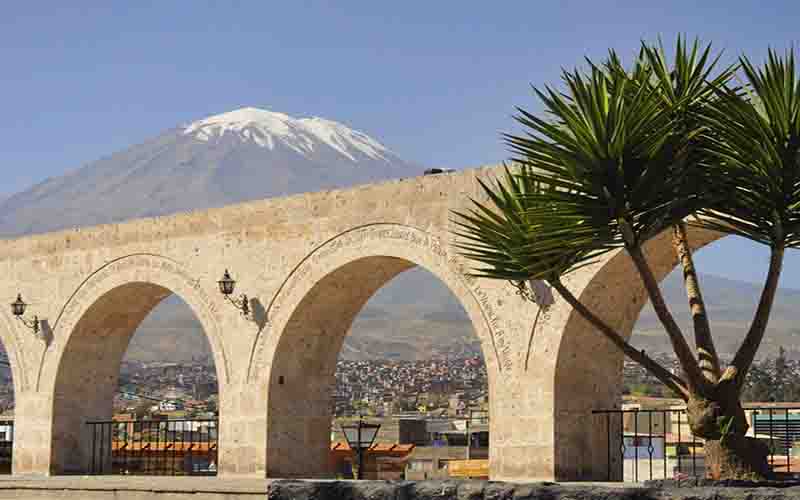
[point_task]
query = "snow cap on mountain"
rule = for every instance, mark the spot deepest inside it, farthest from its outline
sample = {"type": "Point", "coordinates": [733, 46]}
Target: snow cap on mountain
{"type": "Point", "coordinates": [246, 154]}
{"type": "Point", "coordinates": [268, 128]}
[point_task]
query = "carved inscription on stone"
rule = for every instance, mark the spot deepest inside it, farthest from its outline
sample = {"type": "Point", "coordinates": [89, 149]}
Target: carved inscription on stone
{"type": "Point", "coordinates": [432, 245]}
{"type": "Point", "coordinates": [142, 266]}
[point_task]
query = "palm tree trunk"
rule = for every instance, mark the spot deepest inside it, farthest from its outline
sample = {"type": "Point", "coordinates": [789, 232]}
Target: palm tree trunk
{"type": "Point", "coordinates": [737, 457]}
{"type": "Point", "coordinates": [747, 351]}
{"type": "Point", "coordinates": [717, 415]}
{"type": "Point", "coordinates": [673, 382]}
{"type": "Point", "coordinates": [706, 351]}
{"type": "Point", "coordinates": [695, 379]}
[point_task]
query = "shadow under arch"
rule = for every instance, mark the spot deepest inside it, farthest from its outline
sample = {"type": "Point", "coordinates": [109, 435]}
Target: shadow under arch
{"type": "Point", "coordinates": [588, 369]}
{"type": "Point", "coordinates": [308, 325]}
{"type": "Point", "coordinates": [81, 369]}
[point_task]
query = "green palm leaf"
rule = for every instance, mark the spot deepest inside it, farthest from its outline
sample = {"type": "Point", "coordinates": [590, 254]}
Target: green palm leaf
{"type": "Point", "coordinates": [599, 171]}
{"type": "Point", "coordinates": [752, 142]}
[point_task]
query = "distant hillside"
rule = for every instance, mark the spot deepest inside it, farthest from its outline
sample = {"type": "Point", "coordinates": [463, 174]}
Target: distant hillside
{"type": "Point", "coordinates": [417, 317]}
{"type": "Point", "coordinates": [730, 307]}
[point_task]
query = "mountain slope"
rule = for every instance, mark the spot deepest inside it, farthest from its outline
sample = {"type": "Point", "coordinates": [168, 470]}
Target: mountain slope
{"type": "Point", "coordinates": [416, 317]}
{"type": "Point", "coordinates": [730, 306]}
{"type": "Point", "coordinates": [413, 317]}
{"type": "Point", "coordinates": [233, 157]}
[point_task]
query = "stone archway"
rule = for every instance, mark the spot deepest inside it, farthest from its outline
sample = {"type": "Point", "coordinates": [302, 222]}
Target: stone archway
{"type": "Point", "coordinates": [312, 314]}
{"type": "Point", "coordinates": [587, 371]}
{"type": "Point", "coordinates": [90, 337]}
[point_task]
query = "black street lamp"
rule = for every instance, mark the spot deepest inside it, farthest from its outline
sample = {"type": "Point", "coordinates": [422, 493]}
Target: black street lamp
{"type": "Point", "coordinates": [360, 437]}
{"type": "Point", "coordinates": [227, 285]}
{"type": "Point", "coordinates": [18, 310]}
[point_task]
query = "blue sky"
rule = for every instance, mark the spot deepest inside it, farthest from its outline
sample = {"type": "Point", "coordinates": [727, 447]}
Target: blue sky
{"type": "Point", "coordinates": [435, 81]}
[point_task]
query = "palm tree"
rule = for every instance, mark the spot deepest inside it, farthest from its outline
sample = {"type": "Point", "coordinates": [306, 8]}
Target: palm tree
{"type": "Point", "coordinates": [623, 155]}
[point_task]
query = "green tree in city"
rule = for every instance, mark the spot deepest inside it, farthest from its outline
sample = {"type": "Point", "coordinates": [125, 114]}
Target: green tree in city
{"type": "Point", "coordinates": [791, 389]}
{"type": "Point", "coordinates": [623, 154]}
{"type": "Point", "coordinates": [759, 384]}
{"type": "Point", "coordinates": [774, 380]}
{"type": "Point", "coordinates": [142, 409]}
{"type": "Point", "coordinates": [783, 376]}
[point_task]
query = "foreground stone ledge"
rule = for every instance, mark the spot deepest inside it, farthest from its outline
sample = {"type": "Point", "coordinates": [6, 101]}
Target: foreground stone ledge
{"type": "Point", "coordinates": [445, 490]}
{"type": "Point", "coordinates": [183, 488]}
{"type": "Point", "coordinates": [485, 490]}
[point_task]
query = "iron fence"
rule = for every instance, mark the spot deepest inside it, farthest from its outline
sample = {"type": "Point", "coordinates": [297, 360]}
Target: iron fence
{"type": "Point", "coordinates": [153, 447]}
{"type": "Point", "coordinates": [6, 445]}
{"type": "Point", "coordinates": [658, 444]}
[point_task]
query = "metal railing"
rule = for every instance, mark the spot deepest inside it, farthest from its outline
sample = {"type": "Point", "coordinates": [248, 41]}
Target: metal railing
{"type": "Point", "coordinates": [153, 447]}
{"type": "Point", "coordinates": [6, 445]}
{"type": "Point", "coordinates": [658, 444]}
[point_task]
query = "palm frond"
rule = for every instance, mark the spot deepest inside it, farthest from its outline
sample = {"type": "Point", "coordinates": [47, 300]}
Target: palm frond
{"type": "Point", "coordinates": [752, 142]}
{"type": "Point", "coordinates": [599, 170]}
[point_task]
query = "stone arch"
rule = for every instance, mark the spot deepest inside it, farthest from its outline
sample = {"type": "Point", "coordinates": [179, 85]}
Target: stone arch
{"type": "Point", "coordinates": [90, 337]}
{"type": "Point", "coordinates": [587, 371]}
{"type": "Point", "coordinates": [310, 317]}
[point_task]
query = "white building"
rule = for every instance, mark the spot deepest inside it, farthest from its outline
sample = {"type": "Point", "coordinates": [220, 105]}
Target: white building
{"type": "Point", "coordinates": [170, 405]}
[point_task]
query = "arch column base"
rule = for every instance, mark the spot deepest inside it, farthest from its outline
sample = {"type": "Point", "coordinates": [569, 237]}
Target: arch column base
{"type": "Point", "coordinates": [583, 447]}
{"type": "Point", "coordinates": [522, 463]}
{"type": "Point", "coordinates": [242, 434]}
{"type": "Point", "coordinates": [576, 451]}
{"type": "Point", "coordinates": [33, 424]}
{"type": "Point", "coordinates": [522, 447]}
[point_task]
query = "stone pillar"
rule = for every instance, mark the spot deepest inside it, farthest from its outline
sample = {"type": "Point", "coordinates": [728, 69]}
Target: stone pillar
{"type": "Point", "coordinates": [59, 443]}
{"type": "Point", "coordinates": [242, 432]}
{"type": "Point", "coordinates": [303, 366]}
{"type": "Point", "coordinates": [584, 376]}
{"type": "Point", "coordinates": [521, 429]}
{"type": "Point", "coordinates": [87, 375]}
{"type": "Point", "coordinates": [32, 434]}
{"type": "Point", "coordinates": [545, 431]}
{"type": "Point", "coordinates": [74, 445]}
{"type": "Point", "coordinates": [300, 427]}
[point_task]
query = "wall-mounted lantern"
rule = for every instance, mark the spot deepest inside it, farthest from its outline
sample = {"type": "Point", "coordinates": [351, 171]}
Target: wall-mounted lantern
{"type": "Point", "coordinates": [18, 310]}
{"type": "Point", "coordinates": [227, 286]}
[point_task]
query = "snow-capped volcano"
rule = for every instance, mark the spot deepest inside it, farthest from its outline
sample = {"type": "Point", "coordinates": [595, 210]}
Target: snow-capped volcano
{"type": "Point", "coordinates": [266, 128]}
{"type": "Point", "coordinates": [240, 155]}
{"type": "Point", "coordinates": [237, 156]}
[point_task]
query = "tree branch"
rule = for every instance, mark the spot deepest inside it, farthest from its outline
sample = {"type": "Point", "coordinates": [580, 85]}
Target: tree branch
{"type": "Point", "coordinates": [673, 382]}
{"type": "Point", "coordinates": [752, 341]}
{"type": "Point", "coordinates": [694, 375]}
{"type": "Point", "coordinates": [706, 351]}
